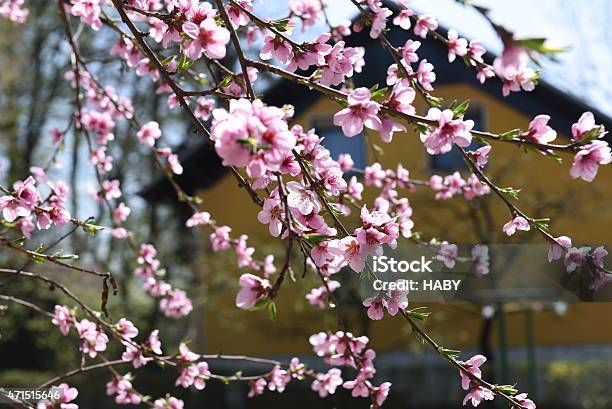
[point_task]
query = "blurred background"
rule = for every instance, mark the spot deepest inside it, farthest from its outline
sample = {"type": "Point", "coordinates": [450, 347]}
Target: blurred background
{"type": "Point", "coordinates": [559, 352]}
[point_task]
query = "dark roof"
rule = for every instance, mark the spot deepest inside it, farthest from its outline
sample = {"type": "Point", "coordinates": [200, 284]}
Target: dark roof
{"type": "Point", "coordinates": [202, 167]}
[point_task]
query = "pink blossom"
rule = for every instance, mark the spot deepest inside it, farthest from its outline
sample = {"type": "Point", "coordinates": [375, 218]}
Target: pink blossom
{"type": "Point", "coordinates": [273, 215]}
{"type": "Point", "coordinates": [195, 375]}
{"type": "Point", "coordinates": [237, 17]}
{"type": "Point", "coordinates": [297, 369]}
{"type": "Point", "coordinates": [409, 51]}
{"type": "Point", "coordinates": [381, 392]}
{"type": "Point", "coordinates": [585, 124]}
{"type": "Point", "coordinates": [448, 132]}
{"type": "Point", "coordinates": [474, 187]}
{"type": "Point", "coordinates": [472, 366]}
{"type": "Point", "coordinates": [354, 188]}
{"type": "Point", "coordinates": [63, 318]}
{"type": "Point", "coordinates": [220, 238]}
{"type": "Point", "coordinates": [426, 75]}
{"type": "Point", "coordinates": [361, 111]}
{"type": "Point", "coordinates": [243, 252]}
{"type": "Point", "coordinates": [333, 180]}
{"type": "Point", "coordinates": [359, 386]}
{"type": "Point", "coordinates": [153, 343]}
{"type": "Point", "coordinates": [374, 175]}
{"type": "Point", "coordinates": [206, 37]}
{"type": "Point", "coordinates": [376, 307]}
{"type": "Point", "coordinates": [403, 19]}
{"type": "Point", "coordinates": [588, 159]}
{"type": "Point", "coordinates": [344, 28]}
{"type": "Point", "coordinates": [350, 249]}
{"type": "Point", "coordinates": [483, 73]}
{"type": "Point", "coordinates": [149, 133]}
{"type": "Point", "coordinates": [302, 198]}
{"type": "Point", "coordinates": [120, 233]}
{"type": "Point", "coordinates": [169, 403]}
{"type": "Point", "coordinates": [122, 386]}
{"type": "Point", "coordinates": [155, 287]}
{"type": "Point", "coordinates": [198, 219]}
{"type": "Point", "coordinates": [341, 62]}
{"type": "Point", "coordinates": [252, 134]}
{"type": "Point", "coordinates": [319, 296]}
{"type": "Point", "coordinates": [278, 379]}
{"type": "Point", "coordinates": [257, 387]}
{"type": "Point", "coordinates": [456, 46]}
{"type": "Point", "coordinates": [575, 257]}
{"type": "Point", "coordinates": [310, 53]}
{"type": "Point", "coordinates": [185, 354]}
{"type": "Point", "coordinates": [56, 135]}
{"type": "Point", "coordinates": [558, 247]}
{"type": "Point", "coordinates": [447, 186]}
{"type": "Point", "coordinates": [134, 354]}
{"type": "Point", "coordinates": [379, 22]}
{"type": "Point", "coordinates": [388, 128]}
{"type": "Point", "coordinates": [539, 131]}
{"type": "Point", "coordinates": [204, 108]}
{"type": "Point", "coordinates": [481, 155]}
{"type": "Point", "coordinates": [308, 10]}
{"type": "Point", "coordinates": [512, 68]}
{"type": "Point", "coordinates": [326, 384]}
{"type": "Point", "coordinates": [276, 47]}
{"type": "Point", "coordinates": [447, 254]}
{"type": "Point", "coordinates": [126, 329]}
{"type": "Point", "coordinates": [121, 213]}
{"type": "Point", "coordinates": [476, 51]}
{"type": "Point", "coordinates": [12, 9]}
{"type": "Point", "coordinates": [68, 394]}
{"type": "Point", "coordinates": [525, 403]}
{"type": "Point", "coordinates": [345, 161]}
{"type": "Point", "coordinates": [89, 11]}
{"type": "Point", "coordinates": [111, 189]}
{"type": "Point", "coordinates": [94, 340]}
{"type": "Point", "coordinates": [175, 304]}
{"type": "Point", "coordinates": [425, 24]}
{"type": "Point", "coordinates": [477, 394]}
{"type": "Point", "coordinates": [253, 289]}
{"type": "Point", "coordinates": [518, 223]}
{"type": "Point", "coordinates": [480, 255]}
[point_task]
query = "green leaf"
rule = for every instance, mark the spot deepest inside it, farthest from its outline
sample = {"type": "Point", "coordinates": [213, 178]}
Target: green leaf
{"type": "Point", "coordinates": [510, 192]}
{"type": "Point", "coordinates": [166, 61]}
{"type": "Point", "coordinates": [226, 81]}
{"type": "Point", "coordinates": [315, 238]}
{"type": "Point", "coordinates": [184, 63]}
{"type": "Point", "coordinates": [506, 136]}
{"type": "Point", "coordinates": [592, 134]}
{"type": "Point", "coordinates": [434, 102]}
{"type": "Point", "coordinates": [541, 45]}
{"type": "Point", "coordinates": [507, 389]}
{"type": "Point", "coordinates": [450, 353]}
{"type": "Point", "coordinates": [459, 109]}
{"type": "Point", "coordinates": [282, 25]}
{"type": "Point", "coordinates": [419, 313]}
{"type": "Point", "coordinates": [541, 223]}
{"type": "Point", "coordinates": [380, 151]}
{"type": "Point", "coordinates": [272, 312]}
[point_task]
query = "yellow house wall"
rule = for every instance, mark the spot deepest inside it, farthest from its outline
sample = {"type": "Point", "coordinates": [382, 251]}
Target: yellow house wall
{"type": "Point", "coordinates": [587, 218]}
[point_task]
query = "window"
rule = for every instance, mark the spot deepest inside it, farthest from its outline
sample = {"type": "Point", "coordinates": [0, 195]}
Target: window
{"type": "Point", "coordinates": [337, 143]}
{"type": "Point", "coordinates": [452, 161]}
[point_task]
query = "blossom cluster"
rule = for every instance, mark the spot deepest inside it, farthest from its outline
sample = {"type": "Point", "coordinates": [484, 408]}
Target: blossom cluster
{"type": "Point", "coordinates": [343, 349]}
{"type": "Point", "coordinates": [25, 207]}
